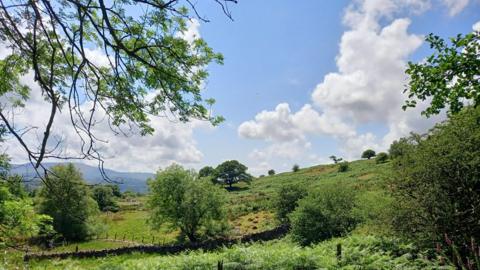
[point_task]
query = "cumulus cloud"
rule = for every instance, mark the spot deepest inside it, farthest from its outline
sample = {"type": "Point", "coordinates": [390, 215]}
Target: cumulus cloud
{"type": "Point", "coordinates": [366, 88]}
{"type": "Point", "coordinates": [455, 6]}
{"type": "Point", "coordinates": [476, 26]}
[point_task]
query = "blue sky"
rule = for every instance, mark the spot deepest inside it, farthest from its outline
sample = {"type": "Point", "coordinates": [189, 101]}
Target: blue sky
{"type": "Point", "coordinates": [278, 51]}
{"type": "Point", "coordinates": [302, 80]}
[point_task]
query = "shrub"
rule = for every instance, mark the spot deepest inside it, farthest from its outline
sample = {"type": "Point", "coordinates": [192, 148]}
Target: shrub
{"type": "Point", "coordinates": [295, 168]}
{"type": "Point", "coordinates": [436, 185]}
{"type": "Point", "coordinates": [368, 154]}
{"type": "Point", "coordinates": [343, 166]}
{"type": "Point", "coordinates": [287, 200]}
{"type": "Point", "coordinates": [271, 172]}
{"type": "Point", "coordinates": [323, 214]}
{"type": "Point", "coordinates": [382, 157]}
{"type": "Point", "coordinates": [189, 204]}
{"type": "Point", "coordinates": [66, 198]}
{"type": "Point", "coordinates": [206, 171]}
{"type": "Point", "coordinates": [105, 199]}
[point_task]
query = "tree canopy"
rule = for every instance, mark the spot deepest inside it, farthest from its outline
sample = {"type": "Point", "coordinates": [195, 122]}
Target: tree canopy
{"type": "Point", "coordinates": [187, 203]}
{"type": "Point", "coordinates": [368, 154]}
{"type": "Point", "coordinates": [449, 77]}
{"type": "Point", "coordinates": [231, 172]}
{"type": "Point", "coordinates": [149, 67]}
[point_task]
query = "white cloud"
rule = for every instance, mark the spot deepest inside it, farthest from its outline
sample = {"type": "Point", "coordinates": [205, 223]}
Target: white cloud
{"type": "Point", "coordinates": [366, 89]}
{"type": "Point", "coordinates": [476, 26]}
{"type": "Point", "coordinates": [192, 32]}
{"type": "Point", "coordinates": [455, 6]}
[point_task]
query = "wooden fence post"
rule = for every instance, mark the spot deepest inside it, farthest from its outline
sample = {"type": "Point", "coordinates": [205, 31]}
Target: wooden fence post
{"type": "Point", "coordinates": [115, 238]}
{"type": "Point", "coordinates": [339, 251]}
{"type": "Point", "coordinates": [220, 265]}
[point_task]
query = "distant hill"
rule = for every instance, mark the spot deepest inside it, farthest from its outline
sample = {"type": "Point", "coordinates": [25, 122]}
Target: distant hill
{"type": "Point", "coordinates": [127, 180]}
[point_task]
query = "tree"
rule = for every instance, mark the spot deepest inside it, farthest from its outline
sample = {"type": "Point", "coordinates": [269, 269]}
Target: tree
{"type": "Point", "coordinates": [436, 185]}
{"type": "Point", "coordinates": [295, 168]}
{"type": "Point", "coordinates": [368, 154]}
{"type": "Point", "coordinates": [206, 171]}
{"type": "Point", "coordinates": [449, 77]}
{"type": "Point", "coordinates": [271, 172]}
{"type": "Point", "coordinates": [335, 159]}
{"type": "Point", "coordinates": [66, 198]}
{"type": "Point", "coordinates": [231, 172]}
{"type": "Point", "coordinates": [104, 197]}
{"type": "Point", "coordinates": [382, 157]}
{"type": "Point", "coordinates": [323, 214]}
{"type": "Point", "coordinates": [115, 190]}
{"type": "Point", "coordinates": [177, 197]}
{"type": "Point", "coordinates": [287, 200]}
{"type": "Point", "coordinates": [343, 166]}
{"type": "Point", "coordinates": [18, 219]}
{"type": "Point", "coordinates": [146, 67]}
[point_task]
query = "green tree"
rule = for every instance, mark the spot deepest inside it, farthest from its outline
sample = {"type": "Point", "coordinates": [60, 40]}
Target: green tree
{"type": "Point", "coordinates": [231, 172]}
{"type": "Point", "coordinates": [335, 159]}
{"type": "Point", "coordinates": [66, 198]}
{"type": "Point", "coordinates": [287, 200]}
{"type": "Point", "coordinates": [115, 190]}
{"type": "Point", "coordinates": [368, 154]}
{"type": "Point", "coordinates": [343, 166]}
{"type": "Point", "coordinates": [105, 198]}
{"type": "Point", "coordinates": [436, 184]}
{"type": "Point", "coordinates": [382, 157]}
{"type": "Point", "coordinates": [323, 214]}
{"type": "Point", "coordinates": [206, 171]}
{"type": "Point", "coordinates": [271, 172]}
{"type": "Point", "coordinates": [449, 77]}
{"type": "Point", "coordinates": [149, 66]}
{"type": "Point", "coordinates": [178, 198]}
{"type": "Point", "coordinates": [295, 168]}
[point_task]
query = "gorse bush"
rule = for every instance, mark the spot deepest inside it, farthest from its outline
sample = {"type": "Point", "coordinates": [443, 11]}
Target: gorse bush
{"type": "Point", "coordinates": [323, 214]}
{"type": "Point", "coordinates": [381, 157]}
{"type": "Point", "coordinates": [343, 166]}
{"type": "Point", "coordinates": [287, 200]}
{"type": "Point", "coordinates": [436, 185]}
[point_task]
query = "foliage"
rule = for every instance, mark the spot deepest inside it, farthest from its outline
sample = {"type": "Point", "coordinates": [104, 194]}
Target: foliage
{"type": "Point", "coordinates": [368, 154]}
{"type": "Point", "coordinates": [335, 159]}
{"type": "Point", "coordinates": [271, 172]}
{"type": "Point", "coordinates": [382, 157]}
{"type": "Point", "coordinates": [104, 197]}
{"type": "Point", "coordinates": [206, 171]}
{"type": "Point", "coordinates": [179, 198]}
{"type": "Point", "coordinates": [231, 172]}
{"type": "Point", "coordinates": [66, 198]}
{"type": "Point", "coordinates": [115, 190]}
{"type": "Point", "coordinates": [287, 200]}
{"type": "Point", "coordinates": [398, 148]}
{"type": "Point", "coordinates": [343, 166]}
{"type": "Point", "coordinates": [449, 77]}
{"type": "Point", "coordinates": [295, 168]}
{"type": "Point", "coordinates": [323, 214]}
{"type": "Point", "coordinates": [146, 65]}
{"type": "Point", "coordinates": [436, 185]}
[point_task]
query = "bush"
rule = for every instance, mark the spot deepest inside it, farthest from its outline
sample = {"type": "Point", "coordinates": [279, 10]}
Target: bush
{"type": "Point", "coordinates": [295, 168]}
{"type": "Point", "coordinates": [343, 166]}
{"type": "Point", "coordinates": [271, 172]}
{"type": "Point", "coordinates": [436, 185]}
{"type": "Point", "coordinates": [368, 154]}
{"type": "Point", "coordinates": [177, 197]}
{"type": "Point", "coordinates": [104, 196]}
{"type": "Point", "coordinates": [382, 157]}
{"type": "Point", "coordinates": [287, 200]}
{"type": "Point", "coordinates": [323, 214]}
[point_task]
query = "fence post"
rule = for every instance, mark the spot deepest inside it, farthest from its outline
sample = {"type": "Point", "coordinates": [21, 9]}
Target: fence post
{"type": "Point", "coordinates": [220, 265]}
{"type": "Point", "coordinates": [115, 237]}
{"type": "Point", "coordinates": [153, 239]}
{"type": "Point", "coordinates": [124, 236]}
{"type": "Point", "coordinates": [142, 238]}
{"type": "Point", "coordinates": [339, 251]}
{"type": "Point", "coordinates": [76, 249]}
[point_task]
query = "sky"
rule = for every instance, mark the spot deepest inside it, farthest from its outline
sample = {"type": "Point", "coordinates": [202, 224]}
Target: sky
{"type": "Point", "coordinates": [301, 81]}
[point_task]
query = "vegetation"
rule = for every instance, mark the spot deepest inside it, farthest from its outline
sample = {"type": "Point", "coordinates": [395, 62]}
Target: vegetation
{"type": "Point", "coordinates": [324, 214]}
{"type": "Point", "coordinates": [65, 197]}
{"type": "Point", "coordinates": [343, 166]}
{"type": "Point", "coordinates": [368, 154]}
{"type": "Point", "coordinates": [436, 183]}
{"type": "Point", "coordinates": [231, 172]}
{"type": "Point", "coordinates": [295, 168]}
{"type": "Point", "coordinates": [206, 171]}
{"type": "Point", "coordinates": [382, 157]}
{"type": "Point", "coordinates": [105, 198]}
{"type": "Point", "coordinates": [287, 200]}
{"type": "Point", "coordinates": [271, 172]}
{"type": "Point", "coordinates": [449, 77]}
{"type": "Point", "coordinates": [189, 204]}
{"type": "Point", "coordinates": [335, 159]}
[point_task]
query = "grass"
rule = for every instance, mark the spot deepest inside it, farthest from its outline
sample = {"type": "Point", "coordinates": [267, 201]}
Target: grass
{"type": "Point", "coordinates": [358, 252]}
